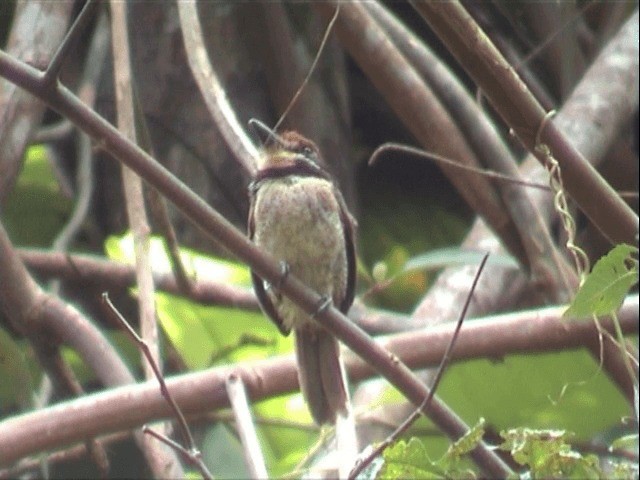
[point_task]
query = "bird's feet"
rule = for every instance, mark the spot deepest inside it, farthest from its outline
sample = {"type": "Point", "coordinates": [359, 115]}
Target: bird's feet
{"type": "Point", "coordinates": [325, 302]}
{"type": "Point", "coordinates": [284, 273]}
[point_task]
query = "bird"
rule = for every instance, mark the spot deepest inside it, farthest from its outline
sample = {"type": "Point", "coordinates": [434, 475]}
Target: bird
{"type": "Point", "coordinates": [298, 215]}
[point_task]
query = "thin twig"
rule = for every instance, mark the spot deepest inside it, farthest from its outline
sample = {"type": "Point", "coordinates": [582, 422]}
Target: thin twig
{"type": "Point", "coordinates": [142, 344]}
{"type": "Point", "coordinates": [312, 68]}
{"type": "Point", "coordinates": [421, 112]}
{"type": "Point", "coordinates": [84, 17]}
{"type": "Point", "coordinates": [402, 429]}
{"type": "Point", "coordinates": [191, 453]}
{"type": "Point", "coordinates": [397, 147]}
{"type": "Point", "coordinates": [253, 457]}
{"type": "Point", "coordinates": [193, 457]}
{"type": "Point", "coordinates": [97, 53]}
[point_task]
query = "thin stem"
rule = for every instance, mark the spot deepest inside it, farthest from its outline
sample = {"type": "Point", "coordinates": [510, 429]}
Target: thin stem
{"type": "Point", "coordinates": [402, 429]}
{"type": "Point", "coordinates": [142, 344]}
{"type": "Point", "coordinates": [80, 23]}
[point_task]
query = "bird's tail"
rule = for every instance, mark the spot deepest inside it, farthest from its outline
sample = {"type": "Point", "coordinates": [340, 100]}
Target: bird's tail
{"type": "Point", "coordinates": [320, 373]}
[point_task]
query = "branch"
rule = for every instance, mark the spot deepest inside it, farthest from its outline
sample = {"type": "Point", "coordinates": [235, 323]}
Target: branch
{"type": "Point", "coordinates": [211, 89]}
{"type": "Point", "coordinates": [521, 111]}
{"type": "Point", "coordinates": [92, 271]}
{"type": "Point", "coordinates": [268, 268]}
{"type": "Point", "coordinates": [421, 112]}
{"type": "Point", "coordinates": [535, 331]}
{"type": "Point", "coordinates": [21, 113]}
{"type": "Point", "coordinates": [541, 253]}
{"type": "Point", "coordinates": [162, 460]}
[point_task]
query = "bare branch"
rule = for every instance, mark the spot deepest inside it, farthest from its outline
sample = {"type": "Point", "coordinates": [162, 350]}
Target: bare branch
{"type": "Point", "coordinates": [421, 111]}
{"type": "Point", "coordinates": [92, 271]}
{"type": "Point", "coordinates": [534, 331]}
{"type": "Point", "coordinates": [251, 447]}
{"type": "Point", "coordinates": [21, 113]}
{"type": "Point", "coordinates": [526, 117]}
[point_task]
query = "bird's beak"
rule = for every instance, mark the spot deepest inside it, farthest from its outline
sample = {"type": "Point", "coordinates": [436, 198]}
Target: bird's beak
{"type": "Point", "coordinates": [264, 133]}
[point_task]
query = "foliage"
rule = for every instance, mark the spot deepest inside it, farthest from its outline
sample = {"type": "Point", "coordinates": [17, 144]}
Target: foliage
{"type": "Point", "coordinates": [546, 396]}
{"type": "Point", "coordinates": [544, 453]}
{"type": "Point", "coordinates": [205, 336]}
{"type": "Point", "coordinates": [410, 459]}
{"type": "Point", "coordinates": [604, 289]}
{"type": "Point", "coordinates": [37, 197]}
{"type": "Point", "coordinates": [548, 455]}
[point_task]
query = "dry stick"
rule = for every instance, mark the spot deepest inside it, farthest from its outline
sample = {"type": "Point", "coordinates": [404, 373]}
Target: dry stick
{"type": "Point", "coordinates": [542, 256]}
{"type": "Point", "coordinates": [192, 454]}
{"type": "Point", "coordinates": [533, 332]}
{"type": "Point", "coordinates": [267, 267]}
{"type": "Point", "coordinates": [520, 110]}
{"type": "Point", "coordinates": [158, 207]}
{"type": "Point", "coordinates": [312, 68]}
{"type": "Point", "coordinates": [251, 447]}
{"type": "Point", "coordinates": [161, 463]}
{"type": "Point", "coordinates": [80, 23]}
{"type": "Point", "coordinates": [401, 430]}
{"type": "Point", "coordinates": [398, 147]}
{"type": "Point", "coordinates": [160, 214]}
{"type": "Point", "coordinates": [92, 271]}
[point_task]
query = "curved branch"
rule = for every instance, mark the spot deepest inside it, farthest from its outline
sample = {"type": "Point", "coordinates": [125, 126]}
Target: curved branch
{"type": "Point", "coordinates": [124, 408]}
{"type": "Point", "coordinates": [421, 111]}
{"type": "Point", "coordinates": [522, 112]}
{"type": "Point", "coordinates": [211, 89]}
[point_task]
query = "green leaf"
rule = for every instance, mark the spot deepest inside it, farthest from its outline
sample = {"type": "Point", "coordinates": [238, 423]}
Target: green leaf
{"type": "Point", "coordinates": [121, 248]}
{"type": "Point", "coordinates": [548, 455]}
{"type": "Point", "coordinates": [468, 442]}
{"type": "Point", "coordinates": [605, 288]}
{"type": "Point", "coordinates": [36, 209]}
{"type": "Point", "coordinates": [624, 442]}
{"type": "Point", "coordinates": [454, 462]}
{"type": "Point", "coordinates": [453, 257]}
{"type": "Point", "coordinates": [16, 383]}
{"type": "Point", "coordinates": [409, 460]}
{"type": "Point", "coordinates": [566, 390]}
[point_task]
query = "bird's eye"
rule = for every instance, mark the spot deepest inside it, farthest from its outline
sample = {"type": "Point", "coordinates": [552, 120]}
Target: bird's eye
{"type": "Point", "coordinates": [307, 151]}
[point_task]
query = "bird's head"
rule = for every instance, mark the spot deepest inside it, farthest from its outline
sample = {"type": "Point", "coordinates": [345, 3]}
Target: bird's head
{"type": "Point", "coordinates": [290, 152]}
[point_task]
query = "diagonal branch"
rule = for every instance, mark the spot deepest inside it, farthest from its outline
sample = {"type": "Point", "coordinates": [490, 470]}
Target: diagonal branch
{"type": "Point", "coordinates": [211, 89]}
{"type": "Point", "coordinates": [124, 408]}
{"type": "Point", "coordinates": [522, 112]}
{"type": "Point", "coordinates": [219, 229]}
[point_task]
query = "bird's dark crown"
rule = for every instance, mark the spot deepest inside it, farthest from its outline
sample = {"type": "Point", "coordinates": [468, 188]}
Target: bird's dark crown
{"type": "Point", "coordinates": [291, 154]}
